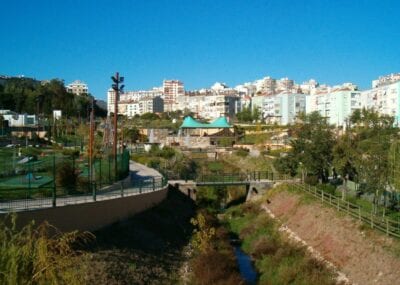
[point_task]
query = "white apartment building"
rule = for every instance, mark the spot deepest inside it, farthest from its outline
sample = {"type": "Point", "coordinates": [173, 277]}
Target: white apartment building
{"type": "Point", "coordinates": [130, 96]}
{"type": "Point", "coordinates": [283, 108]}
{"type": "Point", "coordinates": [130, 108]}
{"type": "Point", "coordinates": [172, 89]}
{"type": "Point", "coordinates": [385, 80]}
{"type": "Point", "coordinates": [384, 98]}
{"type": "Point", "coordinates": [78, 88]}
{"type": "Point", "coordinates": [210, 105]}
{"type": "Point", "coordinates": [336, 106]}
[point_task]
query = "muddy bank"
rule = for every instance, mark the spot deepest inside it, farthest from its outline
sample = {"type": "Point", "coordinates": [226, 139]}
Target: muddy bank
{"type": "Point", "coordinates": [363, 255]}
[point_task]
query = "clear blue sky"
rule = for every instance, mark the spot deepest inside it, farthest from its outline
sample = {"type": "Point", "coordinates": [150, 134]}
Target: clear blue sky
{"type": "Point", "coordinates": [199, 42]}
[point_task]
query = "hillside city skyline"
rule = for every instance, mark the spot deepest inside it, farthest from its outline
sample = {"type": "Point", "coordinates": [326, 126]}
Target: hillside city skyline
{"type": "Point", "coordinates": [200, 43]}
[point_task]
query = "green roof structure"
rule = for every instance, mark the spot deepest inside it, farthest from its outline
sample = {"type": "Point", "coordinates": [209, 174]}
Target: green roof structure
{"type": "Point", "coordinates": [219, 123]}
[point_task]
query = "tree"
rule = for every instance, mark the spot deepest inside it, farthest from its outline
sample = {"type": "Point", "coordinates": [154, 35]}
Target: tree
{"type": "Point", "coordinates": [132, 134]}
{"type": "Point", "coordinates": [373, 134]}
{"type": "Point", "coordinates": [150, 116]}
{"type": "Point", "coordinates": [344, 159]}
{"type": "Point", "coordinates": [312, 145]}
{"type": "Point", "coordinates": [245, 116]}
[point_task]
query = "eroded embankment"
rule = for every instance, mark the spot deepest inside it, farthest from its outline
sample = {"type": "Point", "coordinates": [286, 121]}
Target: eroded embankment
{"type": "Point", "coordinates": [363, 255]}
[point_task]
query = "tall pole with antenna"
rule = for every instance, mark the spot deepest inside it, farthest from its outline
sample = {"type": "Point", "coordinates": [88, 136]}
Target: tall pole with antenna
{"type": "Point", "coordinates": [117, 89]}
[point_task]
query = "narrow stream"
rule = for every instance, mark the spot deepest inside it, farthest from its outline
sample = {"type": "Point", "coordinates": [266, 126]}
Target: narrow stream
{"type": "Point", "coordinates": [245, 264]}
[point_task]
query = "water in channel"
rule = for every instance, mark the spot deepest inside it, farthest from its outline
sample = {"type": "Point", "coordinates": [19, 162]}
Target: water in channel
{"type": "Point", "coordinates": [245, 266]}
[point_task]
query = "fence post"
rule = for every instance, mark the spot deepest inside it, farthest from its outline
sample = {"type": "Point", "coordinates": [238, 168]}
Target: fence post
{"type": "Point", "coordinates": [348, 207]}
{"type": "Point", "coordinates": [387, 227]}
{"type": "Point", "coordinates": [372, 219]}
{"type": "Point", "coordinates": [359, 214]}
{"type": "Point", "coordinates": [29, 179]}
{"type": "Point", "coordinates": [122, 189]}
{"type": "Point", "coordinates": [100, 174]}
{"type": "Point", "coordinates": [154, 185]}
{"type": "Point", "coordinates": [330, 199]}
{"type": "Point", "coordinates": [322, 196]}
{"type": "Point", "coordinates": [93, 190]}
{"type": "Point", "coordinates": [109, 169]}
{"type": "Point", "coordinates": [54, 193]}
{"type": "Point", "coordinates": [337, 204]}
{"type": "Point", "coordinates": [140, 186]}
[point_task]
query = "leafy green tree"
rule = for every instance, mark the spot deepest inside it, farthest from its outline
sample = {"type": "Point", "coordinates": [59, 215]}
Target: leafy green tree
{"type": "Point", "coordinates": [344, 158]}
{"type": "Point", "coordinates": [245, 116]}
{"type": "Point", "coordinates": [150, 116]}
{"type": "Point", "coordinates": [312, 146]}
{"type": "Point", "coordinates": [132, 134]}
{"type": "Point", "coordinates": [373, 136]}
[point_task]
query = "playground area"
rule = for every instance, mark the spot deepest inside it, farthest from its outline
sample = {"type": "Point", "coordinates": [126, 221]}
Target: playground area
{"type": "Point", "coordinates": [44, 173]}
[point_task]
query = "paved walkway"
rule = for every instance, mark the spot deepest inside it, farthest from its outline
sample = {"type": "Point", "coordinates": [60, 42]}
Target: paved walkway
{"type": "Point", "coordinates": [127, 187]}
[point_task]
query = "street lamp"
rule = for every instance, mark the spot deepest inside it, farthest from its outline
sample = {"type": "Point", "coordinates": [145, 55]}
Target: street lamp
{"type": "Point", "coordinates": [117, 89]}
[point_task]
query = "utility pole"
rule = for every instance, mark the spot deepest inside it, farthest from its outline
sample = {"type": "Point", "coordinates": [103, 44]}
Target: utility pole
{"type": "Point", "coordinates": [117, 89]}
{"type": "Point", "coordinates": [91, 142]}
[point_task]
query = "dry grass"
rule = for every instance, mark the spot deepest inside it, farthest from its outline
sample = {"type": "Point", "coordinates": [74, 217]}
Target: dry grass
{"type": "Point", "coordinates": [40, 254]}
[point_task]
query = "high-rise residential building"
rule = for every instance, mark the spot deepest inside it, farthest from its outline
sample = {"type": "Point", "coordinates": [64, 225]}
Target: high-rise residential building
{"type": "Point", "coordinates": [172, 89]}
{"type": "Point", "coordinates": [283, 108]}
{"type": "Point", "coordinates": [78, 87]}
{"type": "Point", "coordinates": [336, 106]}
{"type": "Point", "coordinates": [385, 80]}
{"type": "Point", "coordinates": [130, 96]}
{"type": "Point", "coordinates": [130, 108]}
{"type": "Point", "coordinates": [384, 98]}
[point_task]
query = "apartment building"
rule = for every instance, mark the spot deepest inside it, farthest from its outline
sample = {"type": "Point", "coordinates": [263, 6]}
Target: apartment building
{"type": "Point", "coordinates": [172, 89]}
{"type": "Point", "coordinates": [129, 97]}
{"type": "Point", "coordinates": [383, 98]}
{"type": "Point", "coordinates": [131, 108]}
{"type": "Point", "coordinates": [78, 88]}
{"type": "Point", "coordinates": [283, 108]}
{"type": "Point", "coordinates": [336, 106]}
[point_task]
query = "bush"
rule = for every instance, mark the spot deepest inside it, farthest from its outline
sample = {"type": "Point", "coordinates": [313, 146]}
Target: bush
{"type": "Point", "coordinates": [242, 152]}
{"type": "Point", "coordinates": [311, 180]}
{"type": "Point", "coordinates": [66, 176]}
{"type": "Point", "coordinates": [327, 188]}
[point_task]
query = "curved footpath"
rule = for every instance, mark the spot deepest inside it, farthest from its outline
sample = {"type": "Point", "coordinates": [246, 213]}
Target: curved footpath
{"type": "Point", "coordinates": [127, 187]}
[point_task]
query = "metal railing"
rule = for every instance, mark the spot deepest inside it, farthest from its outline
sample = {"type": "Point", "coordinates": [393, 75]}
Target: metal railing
{"type": "Point", "coordinates": [49, 197]}
{"type": "Point", "coordinates": [245, 177]}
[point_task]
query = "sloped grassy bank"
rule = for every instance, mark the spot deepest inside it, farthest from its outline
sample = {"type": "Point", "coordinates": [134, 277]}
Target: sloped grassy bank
{"type": "Point", "coordinates": [278, 260]}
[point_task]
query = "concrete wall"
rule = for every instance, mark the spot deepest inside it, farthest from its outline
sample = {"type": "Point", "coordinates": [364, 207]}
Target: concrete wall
{"type": "Point", "coordinates": [92, 216]}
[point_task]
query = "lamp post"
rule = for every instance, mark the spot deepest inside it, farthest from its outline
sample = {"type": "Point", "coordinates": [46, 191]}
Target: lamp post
{"type": "Point", "coordinates": [91, 141]}
{"type": "Point", "coordinates": [117, 89]}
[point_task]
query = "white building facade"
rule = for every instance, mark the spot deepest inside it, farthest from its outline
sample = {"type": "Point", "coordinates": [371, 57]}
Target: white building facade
{"type": "Point", "coordinates": [336, 106]}
{"type": "Point", "coordinates": [384, 98]}
{"type": "Point", "coordinates": [78, 88]}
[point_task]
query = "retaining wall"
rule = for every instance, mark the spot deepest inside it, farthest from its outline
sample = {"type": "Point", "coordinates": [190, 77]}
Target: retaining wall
{"type": "Point", "coordinates": [94, 215]}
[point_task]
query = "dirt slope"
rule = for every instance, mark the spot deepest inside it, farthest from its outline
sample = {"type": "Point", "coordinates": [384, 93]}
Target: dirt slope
{"type": "Point", "coordinates": [365, 256]}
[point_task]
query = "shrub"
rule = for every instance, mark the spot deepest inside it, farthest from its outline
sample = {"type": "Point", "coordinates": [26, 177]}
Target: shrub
{"type": "Point", "coordinates": [66, 176]}
{"type": "Point", "coordinates": [242, 152]}
{"type": "Point", "coordinates": [311, 180]}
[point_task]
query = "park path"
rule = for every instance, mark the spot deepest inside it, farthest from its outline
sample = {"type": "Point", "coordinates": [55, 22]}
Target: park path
{"type": "Point", "coordinates": [126, 187]}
